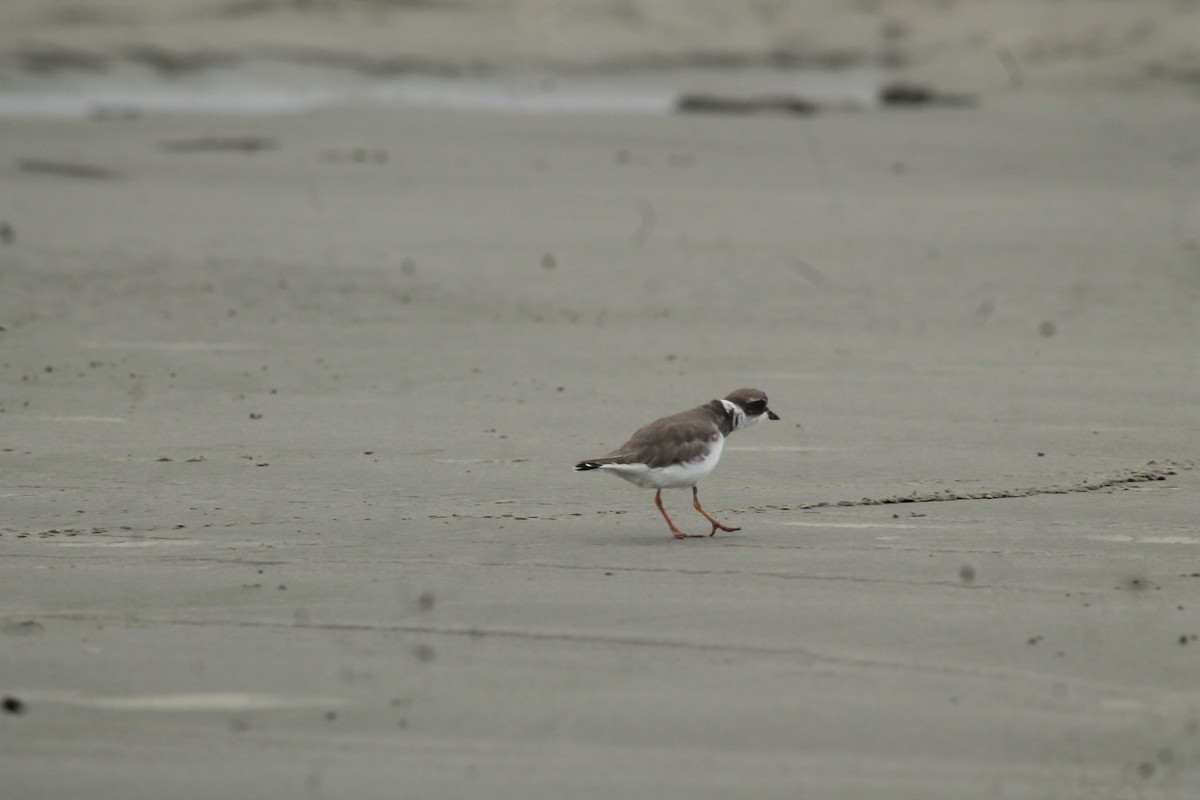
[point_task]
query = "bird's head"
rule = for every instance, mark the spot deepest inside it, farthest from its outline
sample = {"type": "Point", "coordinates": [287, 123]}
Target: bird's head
{"type": "Point", "coordinates": [752, 403]}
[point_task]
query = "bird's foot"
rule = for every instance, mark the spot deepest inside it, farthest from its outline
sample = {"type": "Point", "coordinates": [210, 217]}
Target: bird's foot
{"type": "Point", "coordinates": [678, 534]}
{"type": "Point", "coordinates": [719, 527]}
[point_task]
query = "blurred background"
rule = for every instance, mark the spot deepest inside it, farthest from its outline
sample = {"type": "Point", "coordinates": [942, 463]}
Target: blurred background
{"type": "Point", "coordinates": [960, 45]}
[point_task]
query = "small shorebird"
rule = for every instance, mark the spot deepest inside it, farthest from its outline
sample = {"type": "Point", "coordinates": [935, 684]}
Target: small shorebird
{"type": "Point", "coordinates": [677, 451]}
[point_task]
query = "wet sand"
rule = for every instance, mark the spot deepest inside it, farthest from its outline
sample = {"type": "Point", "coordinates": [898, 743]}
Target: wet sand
{"type": "Point", "coordinates": [287, 433]}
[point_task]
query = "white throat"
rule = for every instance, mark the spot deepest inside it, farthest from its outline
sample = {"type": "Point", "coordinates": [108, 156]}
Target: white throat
{"type": "Point", "coordinates": [736, 414]}
{"type": "Point", "coordinates": [740, 418]}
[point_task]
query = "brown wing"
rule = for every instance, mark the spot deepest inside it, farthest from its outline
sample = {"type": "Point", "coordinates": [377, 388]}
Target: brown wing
{"type": "Point", "coordinates": [680, 437]}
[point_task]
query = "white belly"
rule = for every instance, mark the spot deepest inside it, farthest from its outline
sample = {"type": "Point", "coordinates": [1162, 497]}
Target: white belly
{"type": "Point", "coordinates": [676, 476]}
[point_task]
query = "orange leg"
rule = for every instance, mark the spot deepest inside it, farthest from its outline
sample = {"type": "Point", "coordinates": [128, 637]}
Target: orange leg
{"type": "Point", "coordinates": [678, 533]}
{"type": "Point", "coordinates": [716, 525]}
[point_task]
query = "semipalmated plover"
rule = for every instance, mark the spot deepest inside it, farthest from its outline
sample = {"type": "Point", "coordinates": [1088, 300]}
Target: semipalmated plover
{"type": "Point", "coordinates": [677, 451]}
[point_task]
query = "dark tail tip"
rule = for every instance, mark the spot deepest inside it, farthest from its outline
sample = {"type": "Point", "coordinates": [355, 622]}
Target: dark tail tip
{"type": "Point", "coordinates": [584, 466]}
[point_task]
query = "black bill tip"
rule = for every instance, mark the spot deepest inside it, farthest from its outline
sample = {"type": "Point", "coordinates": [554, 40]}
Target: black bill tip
{"type": "Point", "coordinates": [771, 414]}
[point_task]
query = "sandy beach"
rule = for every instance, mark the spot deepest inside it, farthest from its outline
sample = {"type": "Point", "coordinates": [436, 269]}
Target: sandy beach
{"type": "Point", "coordinates": [289, 401]}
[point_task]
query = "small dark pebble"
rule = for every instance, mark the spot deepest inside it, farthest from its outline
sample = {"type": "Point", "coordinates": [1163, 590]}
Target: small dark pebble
{"type": "Point", "coordinates": [907, 94]}
{"type": "Point", "coordinates": [28, 627]}
{"type": "Point", "coordinates": [6, 233]}
{"type": "Point", "coordinates": [66, 169]}
{"type": "Point", "coordinates": [13, 705]}
{"type": "Point", "coordinates": [762, 104]}
{"type": "Point", "coordinates": [220, 144]}
{"type": "Point", "coordinates": [901, 94]}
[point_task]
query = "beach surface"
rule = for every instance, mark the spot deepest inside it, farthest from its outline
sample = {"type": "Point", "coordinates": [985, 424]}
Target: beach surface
{"type": "Point", "coordinates": [289, 402]}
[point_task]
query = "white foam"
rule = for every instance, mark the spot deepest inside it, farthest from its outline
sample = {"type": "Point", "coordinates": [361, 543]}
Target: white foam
{"type": "Point", "coordinates": [182, 347]}
{"type": "Point", "coordinates": [82, 418]}
{"type": "Point", "coordinates": [1123, 539]}
{"type": "Point", "coordinates": [196, 701]}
